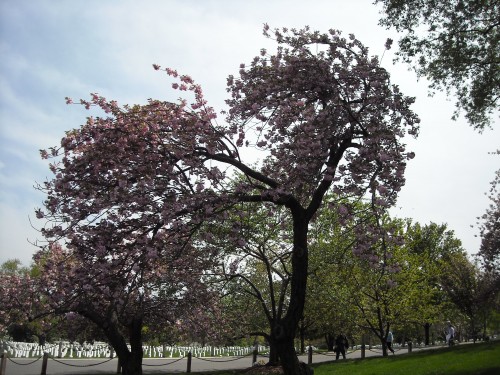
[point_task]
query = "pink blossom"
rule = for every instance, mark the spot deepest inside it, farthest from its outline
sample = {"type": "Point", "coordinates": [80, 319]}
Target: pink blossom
{"type": "Point", "coordinates": [343, 210]}
{"type": "Point", "coordinates": [382, 189]}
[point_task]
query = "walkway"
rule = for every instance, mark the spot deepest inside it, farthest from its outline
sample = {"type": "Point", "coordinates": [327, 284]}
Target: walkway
{"type": "Point", "coordinates": [22, 366]}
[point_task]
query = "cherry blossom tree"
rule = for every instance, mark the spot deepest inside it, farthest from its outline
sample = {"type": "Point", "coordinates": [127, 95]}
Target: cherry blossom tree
{"type": "Point", "coordinates": [23, 310]}
{"type": "Point", "coordinates": [137, 184]}
{"type": "Point", "coordinates": [330, 121]}
{"type": "Point", "coordinates": [120, 247]}
{"type": "Point", "coordinates": [121, 291]}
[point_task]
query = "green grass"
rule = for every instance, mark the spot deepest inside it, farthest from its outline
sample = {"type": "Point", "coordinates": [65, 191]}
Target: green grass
{"type": "Point", "coordinates": [476, 359]}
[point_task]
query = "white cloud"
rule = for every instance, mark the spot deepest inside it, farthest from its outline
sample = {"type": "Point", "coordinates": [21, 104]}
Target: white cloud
{"type": "Point", "coordinates": [16, 234]}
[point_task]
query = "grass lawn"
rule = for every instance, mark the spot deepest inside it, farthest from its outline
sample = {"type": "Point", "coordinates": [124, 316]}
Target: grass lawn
{"type": "Point", "coordinates": [476, 359]}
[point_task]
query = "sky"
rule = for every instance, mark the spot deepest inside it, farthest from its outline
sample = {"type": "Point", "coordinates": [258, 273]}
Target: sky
{"type": "Point", "coordinates": [52, 49]}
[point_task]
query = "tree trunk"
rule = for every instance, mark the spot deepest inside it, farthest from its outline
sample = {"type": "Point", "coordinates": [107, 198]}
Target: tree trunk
{"type": "Point", "coordinates": [130, 360]}
{"type": "Point", "coordinates": [302, 337]}
{"type": "Point", "coordinates": [382, 331]}
{"type": "Point", "coordinates": [273, 353]}
{"type": "Point", "coordinates": [427, 327]}
{"type": "Point", "coordinates": [131, 364]}
{"type": "Point", "coordinates": [384, 348]}
{"type": "Point", "coordinates": [289, 360]}
{"type": "Point", "coordinates": [285, 329]}
{"type": "Point", "coordinates": [330, 341]}
{"type": "Point", "coordinates": [285, 347]}
{"type": "Point", "coordinates": [134, 363]}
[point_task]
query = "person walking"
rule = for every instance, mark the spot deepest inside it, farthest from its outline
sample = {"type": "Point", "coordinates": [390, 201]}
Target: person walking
{"type": "Point", "coordinates": [341, 344]}
{"type": "Point", "coordinates": [450, 334]}
{"type": "Point", "coordinates": [389, 340]}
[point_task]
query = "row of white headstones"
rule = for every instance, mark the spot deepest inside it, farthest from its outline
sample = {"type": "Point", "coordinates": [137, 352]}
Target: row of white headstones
{"type": "Point", "coordinates": [103, 350]}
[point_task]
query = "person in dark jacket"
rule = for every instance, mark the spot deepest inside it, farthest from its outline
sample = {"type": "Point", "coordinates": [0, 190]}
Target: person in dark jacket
{"type": "Point", "coordinates": [341, 344]}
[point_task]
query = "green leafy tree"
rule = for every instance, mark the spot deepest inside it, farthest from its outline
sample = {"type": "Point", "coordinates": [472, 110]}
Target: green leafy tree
{"type": "Point", "coordinates": [455, 44]}
{"type": "Point", "coordinates": [243, 314]}
{"type": "Point", "coordinates": [390, 288]}
{"type": "Point", "coordinates": [329, 310]}
{"type": "Point", "coordinates": [256, 271]}
{"type": "Point", "coordinates": [473, 291]}
{"type": "Point", "coordinates": [13, 267]}
{"type": "Point", "coordinates": [367, 286]}
{"type": "Point", "coordinates": [430, 243]}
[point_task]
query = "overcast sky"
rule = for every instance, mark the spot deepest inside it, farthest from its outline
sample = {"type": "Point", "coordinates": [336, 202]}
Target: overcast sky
{"type": "Point", "coordinates": [53, 49]}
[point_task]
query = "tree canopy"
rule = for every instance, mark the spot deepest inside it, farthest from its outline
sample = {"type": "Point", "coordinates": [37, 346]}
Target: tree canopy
{"type": "Point", "coordinates": [490, 229]}
{"type": "Point", "coordinates": [140, 182]}
{"type": "Point", "coordinates": [455, 44]}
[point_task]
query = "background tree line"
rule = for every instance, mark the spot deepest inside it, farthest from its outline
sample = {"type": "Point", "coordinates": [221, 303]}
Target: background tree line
{"type": "Point", "coordinates": [145, 219]}
{"type": "Point", "coordinates": [412, 288]}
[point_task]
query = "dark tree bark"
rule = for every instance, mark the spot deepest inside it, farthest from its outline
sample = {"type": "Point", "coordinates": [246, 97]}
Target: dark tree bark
{"type": "Point", "coordinates": [330, 341]}
{"type": "Point", "coordinates": [273, 352]}
{"type": "Point", "coordinates": [427, 327]}
{"type": "Point", "coordinates": [285, 347]}
{"type": "Point", "coordinates": [130, 360]}
{"type": "Point", "coordinates": [302, 336]}
{"type": "Point", "coordinates": [283, 332]}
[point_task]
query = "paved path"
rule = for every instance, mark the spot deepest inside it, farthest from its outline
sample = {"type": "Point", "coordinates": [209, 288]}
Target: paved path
{"type": "Point", "coordinates": [18, 366]}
